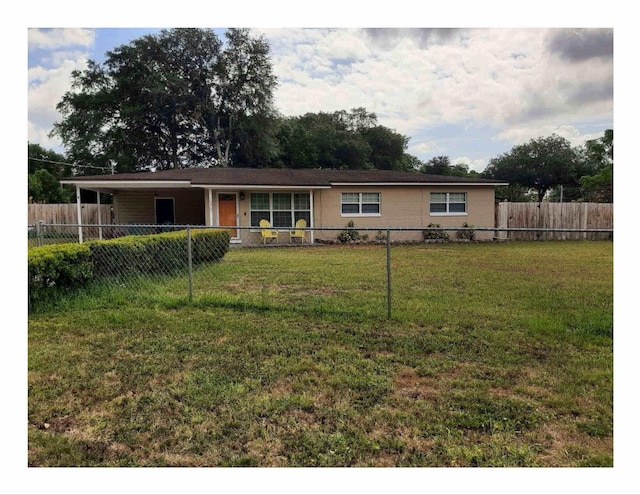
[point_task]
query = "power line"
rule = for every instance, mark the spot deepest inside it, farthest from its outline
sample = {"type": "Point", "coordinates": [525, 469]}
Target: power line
{"type": "Point", "coordinates": [69, 164]}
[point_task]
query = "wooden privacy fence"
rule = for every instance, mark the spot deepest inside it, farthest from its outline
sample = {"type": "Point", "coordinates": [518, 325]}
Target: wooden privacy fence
{"type": "Point", "coordinates": [554, 216]}
{"type": "Point", "coordinates": [68, 213]}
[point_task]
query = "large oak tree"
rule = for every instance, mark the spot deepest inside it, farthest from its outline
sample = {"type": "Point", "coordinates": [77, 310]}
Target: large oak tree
{"type": "Point", "coordinates": [541, 164]}
{"type": "Point", "coordinates": [341, 140]}
{"type": "Point", "coordinates": [181, 98]}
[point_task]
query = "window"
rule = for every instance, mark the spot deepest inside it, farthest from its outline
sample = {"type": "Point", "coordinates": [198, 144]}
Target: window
{"type": "Point", "coordinates": [281, 209]}
{"type": "Point", "coordinates": [360, 204]}
{"type": "Point", "coordinates": [449, 203]}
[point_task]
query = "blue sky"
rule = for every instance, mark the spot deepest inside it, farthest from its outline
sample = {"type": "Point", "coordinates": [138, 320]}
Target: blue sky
{"type": "Point", "coordinates": [470, 94]}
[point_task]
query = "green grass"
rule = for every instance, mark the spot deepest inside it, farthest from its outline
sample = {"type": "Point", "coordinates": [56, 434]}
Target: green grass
{"type": "Point", "coordinates": [495, 355]}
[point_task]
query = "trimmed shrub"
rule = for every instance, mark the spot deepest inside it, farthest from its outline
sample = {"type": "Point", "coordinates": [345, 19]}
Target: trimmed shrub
{"type": "Point", "coordinates": [431, 233]}
{"type": "Point", "coordinates": [351, 235]}
{"type": "Point", "coordinates": [466, 235]}
{"type": "Point", "coordinates": [209, 245]}
{"type": "Point", "coordinates": [135, 255]}
{"type": "Point", "coordinates": [157, 254]}
{"type": "Point", "coordinates": [58, 266]}
{"type": "Point", "coordinates": [71, 265]}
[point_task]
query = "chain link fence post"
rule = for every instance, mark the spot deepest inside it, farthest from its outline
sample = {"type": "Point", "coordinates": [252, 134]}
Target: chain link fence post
{"type": "Point", "coordinates": [388, 273]}
{"type": "Point", "coordinates": [190, 263]}
{"type": "Point", "coordinates": [39, 234]}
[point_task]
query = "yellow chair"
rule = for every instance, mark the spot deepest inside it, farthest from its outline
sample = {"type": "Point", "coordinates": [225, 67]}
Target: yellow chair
{"type": "Point", "coordinates": [299, 232]}
{"type": "Point", "coordinates": [267, 232]}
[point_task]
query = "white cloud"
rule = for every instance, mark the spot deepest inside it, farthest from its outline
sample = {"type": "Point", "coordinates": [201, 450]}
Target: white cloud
{"type": "Point", "coordinates": [502, 78]}
{"type": "Point", "coordinates": [46, 88]}
{"type": "Point", "coordinates": [52, 39]}
{"type": "Point", "coordinates": [424, 148]}
{"type": "Point", "coordinates": [521, 135]}
{"type": "Point", "coordinates": [53, 55]}
{"type": "Point", "coordinates": [474, 164]}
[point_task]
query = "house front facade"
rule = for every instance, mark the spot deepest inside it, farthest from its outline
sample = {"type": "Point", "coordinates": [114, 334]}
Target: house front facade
{"type": "Point", "coordinates": [238, 198]}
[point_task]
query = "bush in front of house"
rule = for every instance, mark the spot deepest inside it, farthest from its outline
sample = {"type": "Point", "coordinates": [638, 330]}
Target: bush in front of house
{"type": "Point", "coordinates": [58, 266]}
{"type": "Point", "coordinates": [209, 245]}
{"type": "Point", "coordinates": [159, 254]}
{"type": "Point", "coordinates": [72, 265]}
{"type": "Point", "coordinates": [135, 255]}
{"type": "Point", "coordinates": [468, 234]}
{"type": "Point", "coordinates": [433, 233]}
{"type": "Point", "coordinates": [350, 234]}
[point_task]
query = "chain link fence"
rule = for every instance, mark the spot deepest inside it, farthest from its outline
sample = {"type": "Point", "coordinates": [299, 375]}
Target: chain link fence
{"type": "Point", "coordinates": [327, 271]}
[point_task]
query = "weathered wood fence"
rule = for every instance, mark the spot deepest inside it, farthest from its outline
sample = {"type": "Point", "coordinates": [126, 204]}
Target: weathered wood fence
{"type": "Point", "coordinates": [554, 216]}
{"type": "Point", "coordinates": [68, 213]}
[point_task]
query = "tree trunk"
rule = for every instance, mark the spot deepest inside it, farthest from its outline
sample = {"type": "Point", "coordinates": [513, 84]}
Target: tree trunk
{"type": "Point", "coordinates": [223, 158]}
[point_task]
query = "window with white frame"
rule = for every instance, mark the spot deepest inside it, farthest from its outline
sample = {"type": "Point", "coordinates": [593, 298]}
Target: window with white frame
{"type": "Point", "coordinates": [281, 209]}
{"type": "Point", "coordinates": [360, 204]}
{"type": "Point", "coordinates": [448, 203]}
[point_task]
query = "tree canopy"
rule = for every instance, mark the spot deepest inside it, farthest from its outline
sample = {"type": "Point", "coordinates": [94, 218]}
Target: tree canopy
{"type": "Point", "coordinates": [348, 140]}
{"type": "Point", "coordinates": [598, 153]}
{"type": "Point", "coordinates": [177, 99]}
{"type": "Point", "coordinates": [45, 169]}
{"type": "Point", "coordinates": [441, 165]}
{"type": "Point", "coordinates": [541, 164]}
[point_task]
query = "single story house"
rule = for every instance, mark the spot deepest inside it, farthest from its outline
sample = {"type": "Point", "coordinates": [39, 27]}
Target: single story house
{"type": "Point", "coordinates": [241, 197]}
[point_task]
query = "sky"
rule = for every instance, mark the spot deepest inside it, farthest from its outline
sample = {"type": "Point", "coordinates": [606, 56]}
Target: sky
{"type": "Point", "coordinates": [467, 93]}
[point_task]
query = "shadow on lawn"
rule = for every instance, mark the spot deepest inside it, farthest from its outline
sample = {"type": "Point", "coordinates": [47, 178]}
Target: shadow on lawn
{"type": "Point", "coordinates": [311, 310]}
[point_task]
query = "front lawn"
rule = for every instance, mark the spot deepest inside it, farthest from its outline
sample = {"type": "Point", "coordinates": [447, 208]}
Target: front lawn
{"type": "Point", "coordinates": [495, 355]}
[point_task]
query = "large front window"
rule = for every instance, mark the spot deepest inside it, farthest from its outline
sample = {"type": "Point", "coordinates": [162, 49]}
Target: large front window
{"type": "Point", "coordinates": [360, 204]}
{"type": "Point", "coordinates": [448, 203]}
{"type": "Point", "coordinates": [282, 210]}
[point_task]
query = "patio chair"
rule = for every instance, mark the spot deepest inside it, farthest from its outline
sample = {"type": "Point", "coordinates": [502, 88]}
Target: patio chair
{"type": "Point", "coordinates": [266, 232]}
{"type": "Point", "coordinates": [299, 232]}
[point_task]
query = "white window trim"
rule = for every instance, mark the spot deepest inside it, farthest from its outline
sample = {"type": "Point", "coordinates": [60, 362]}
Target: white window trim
{"type": "Point", "coordinates": [256, 228]}
{"type": "Point", "coordinates": [448, 213]}
{"type": "Point", "coordinates": [360, 203]}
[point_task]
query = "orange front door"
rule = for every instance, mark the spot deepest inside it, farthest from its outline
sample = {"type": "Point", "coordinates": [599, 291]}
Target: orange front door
{"type": "Point", "coordinates": [227, 213]}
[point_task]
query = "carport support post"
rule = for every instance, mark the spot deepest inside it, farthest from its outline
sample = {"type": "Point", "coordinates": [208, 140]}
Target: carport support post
{"type": "Point", "coordinates": [388, 273]}
{"type": "Point", "coordinates": [79, 211]}
{"type": "Point", "coordinates": [99, 217]}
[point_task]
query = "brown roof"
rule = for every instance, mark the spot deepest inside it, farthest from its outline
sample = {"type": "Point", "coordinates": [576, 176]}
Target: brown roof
{"type": "Point", "coordinates": [282, 177]}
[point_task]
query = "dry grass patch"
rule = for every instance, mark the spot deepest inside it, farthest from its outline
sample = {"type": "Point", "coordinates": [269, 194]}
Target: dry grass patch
{"type": "Point", "coordinates": [409, 384]}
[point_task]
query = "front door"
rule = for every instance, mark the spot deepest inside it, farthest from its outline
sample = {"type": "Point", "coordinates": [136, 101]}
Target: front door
{"type": "Point", "coordinates": [227, 213]}
{"type": "Point", "coordinates": [165, 211]}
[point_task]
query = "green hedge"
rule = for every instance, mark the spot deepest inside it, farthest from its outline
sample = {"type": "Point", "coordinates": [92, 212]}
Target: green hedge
{"type": "Point", "coordinates": [209, 245]}
{"type": "Point", "coordinates": [157, 254]}
{"type": "Point", "coordinates": [71, 265]}
{"type": "Point", "coordinates": [139, 255]}
{"type": "Point", "coordinates": [58, 266]}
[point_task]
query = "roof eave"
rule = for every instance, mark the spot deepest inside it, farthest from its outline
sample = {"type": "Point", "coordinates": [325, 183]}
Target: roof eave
{"type": "Point", "coordinates": [259, 186]}
{"type": "Point", "coordinates": [421, 184]}
{"type": "Point", "coordinates": [127, 184]}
